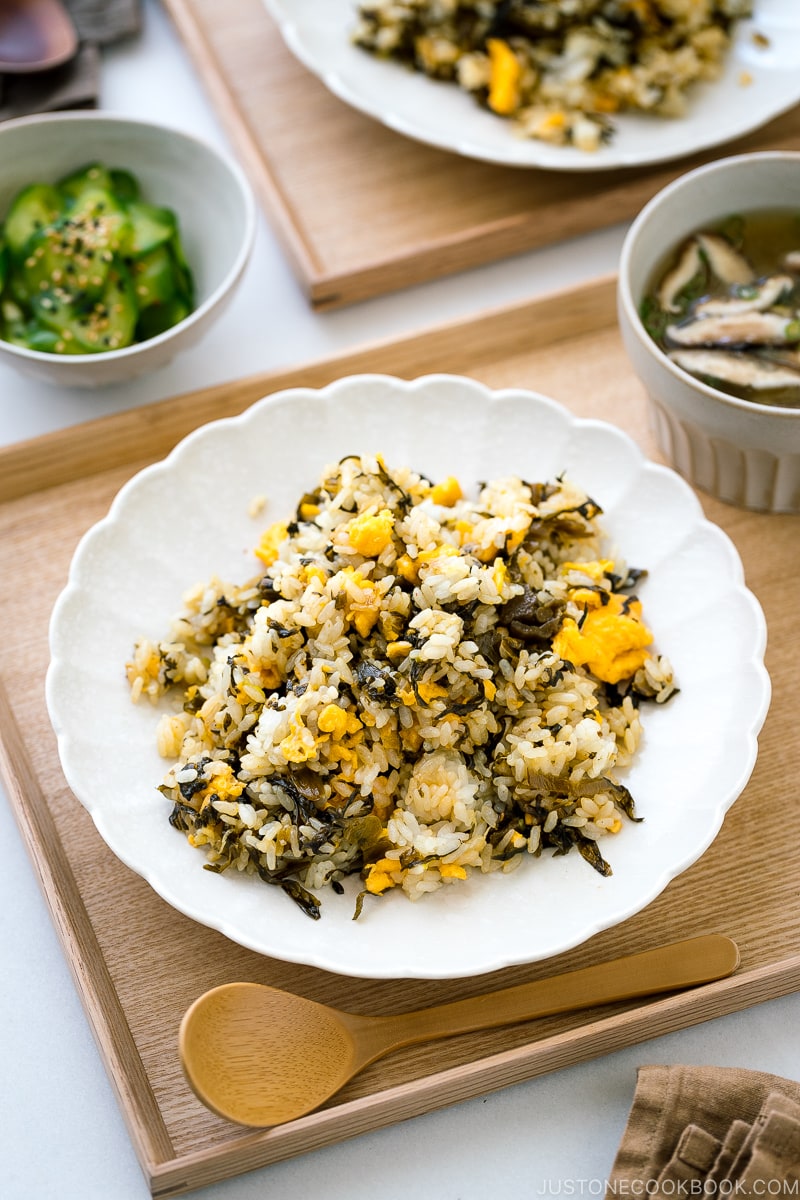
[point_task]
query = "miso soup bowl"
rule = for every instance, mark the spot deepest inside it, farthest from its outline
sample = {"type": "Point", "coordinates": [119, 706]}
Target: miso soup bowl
{"type": "Point", "coordinates": [739, 451]}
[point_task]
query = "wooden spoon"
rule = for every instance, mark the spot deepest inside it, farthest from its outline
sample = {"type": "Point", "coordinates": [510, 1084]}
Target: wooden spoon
{"type": "Point", "coordinates": [260, 1056]}
{"type": "Point", "coordinates": [35, 35]}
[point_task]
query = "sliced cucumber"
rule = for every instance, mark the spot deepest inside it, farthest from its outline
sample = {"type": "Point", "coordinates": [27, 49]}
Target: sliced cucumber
{"type": "Point", "coordinates": [87, 266]}
{"type": "Point", "coordinates": [124, 185]}
{"type": "Point", "coordinates": [86, 327]}
{"type": "Point", "coordinates": [151, 226]}
{"type": "Point", "coordinates": [47, 341]}
{"type": "Point", "coordinates": [153, 277]}
{"type": "Point", "coordinates": [13, 322]}
{"type": "Point", "coordinates": [32, 209]}
{"type": "Point", "coordinates": [75, 252]}
{"type": "Point", "coordinates": [101, 220]}
{"type": "Point", "coordinates": [184, 280]}
{"type": "Point", "coordinates": [88, 178]}
{"type": "Point", "coordinates": [160, 317]}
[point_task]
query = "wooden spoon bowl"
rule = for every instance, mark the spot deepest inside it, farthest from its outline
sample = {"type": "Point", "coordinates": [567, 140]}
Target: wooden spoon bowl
{"type": "Point", "coordinates": [260, 1056]}
{"type": "Point", "coordinates": [254, 1054]}
{"type": "Point", "coordinates": [35, 35]}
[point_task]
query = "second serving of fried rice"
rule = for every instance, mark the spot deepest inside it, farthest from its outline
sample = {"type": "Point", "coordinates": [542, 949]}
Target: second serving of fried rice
{"type": "Point", "coordinates": [561, 69]}
{"type": "Point", "coordinates": [414, 686]}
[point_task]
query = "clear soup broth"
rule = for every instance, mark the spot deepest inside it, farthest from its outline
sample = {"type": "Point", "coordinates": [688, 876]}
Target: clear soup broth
{"type": "Point", "coordinates": [724, 305]}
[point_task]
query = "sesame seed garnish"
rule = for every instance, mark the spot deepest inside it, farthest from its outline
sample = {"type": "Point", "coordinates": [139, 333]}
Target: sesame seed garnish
{"type": "Point", "coordinates": [83, 249]}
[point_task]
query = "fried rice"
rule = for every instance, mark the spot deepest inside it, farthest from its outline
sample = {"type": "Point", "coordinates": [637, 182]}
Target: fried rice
{"type": "Point", "coordinates": [414, 686]}
{"type": "Point", "coordinates": [560, 68]}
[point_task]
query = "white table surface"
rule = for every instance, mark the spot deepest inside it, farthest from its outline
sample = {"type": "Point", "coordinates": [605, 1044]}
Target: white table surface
{"type": "Point", "coordinates": [61, 1133]}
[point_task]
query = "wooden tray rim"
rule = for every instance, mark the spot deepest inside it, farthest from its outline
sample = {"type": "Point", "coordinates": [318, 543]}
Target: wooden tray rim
{"type": "Point", "coordinates": [491, 239]}
{"type": "Point", "coordinates": [65, 455]}
{"type": "Point", "coordinates": [169, 1174]}
{"type": "Point", "coordinates": [60, 456]}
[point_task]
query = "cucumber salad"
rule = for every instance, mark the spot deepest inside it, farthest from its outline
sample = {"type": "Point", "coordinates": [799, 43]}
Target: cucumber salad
{"type": "Point", "coordinates": [88, 266]}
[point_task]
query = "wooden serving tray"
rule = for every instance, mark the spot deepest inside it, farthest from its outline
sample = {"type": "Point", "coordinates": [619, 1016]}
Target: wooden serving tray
{"type": "Point", "coordinates": [138, 963]}
{"type": "Point", "coordinates": [362, 210]}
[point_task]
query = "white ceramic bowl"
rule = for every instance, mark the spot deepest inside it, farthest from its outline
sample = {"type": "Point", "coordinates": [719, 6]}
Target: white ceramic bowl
{"type": "Point", "coordinates": [741, 452]}
{"type": "Point", "coordinates": [440, 114]}
{"type": "Point", "coordinates": [208, 192]}
{"type": "Point", "coordinates": [131, 569]}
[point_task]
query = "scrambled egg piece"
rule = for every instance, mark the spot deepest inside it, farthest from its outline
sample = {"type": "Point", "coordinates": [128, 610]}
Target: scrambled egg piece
{"type": "Point", "coordinates": [504, 77]}
{"type": "Point", "coordinates": [371, 532]}
{"type": "Point", "coordinates": [381, 875]}
{"type": "Point", "coordinates": [271, 539]}
{"type": "Point", "coordinates": [362, 600]}
{"type": "Point", "coordinates": [223, 784]}
{"type": "Point", "coordinates": [313, 572]}
{"type": "Point", "coordinates": [431, 691]}
{"type": "Point", "coordinates": [340, 732]}
{"type": "Point", "coordinates": [387, 873]}
{"type": "Point", "coordinates": [611, 641]}
{"type": "Point", "coordinates": [299, 745]}
{"type": "Point", "coordinates": [447, 492]}
{"type": "Point", "coordinates": [452, 871]}
{"type": "Point", "coordinates": [595, 569]}
{"type": "Point", "coordinates": [335, 720]}
{"type": "Point", "coordinates": [408, 568]}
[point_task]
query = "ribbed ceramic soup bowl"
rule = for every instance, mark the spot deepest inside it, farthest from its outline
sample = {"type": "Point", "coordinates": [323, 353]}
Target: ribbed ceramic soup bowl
{"type": "Point", "coordinates": [738, 450]}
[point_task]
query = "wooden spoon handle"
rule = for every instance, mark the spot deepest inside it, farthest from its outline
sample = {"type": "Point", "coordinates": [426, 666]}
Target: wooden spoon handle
{"type": "Point", "coordinates": [667, 968]}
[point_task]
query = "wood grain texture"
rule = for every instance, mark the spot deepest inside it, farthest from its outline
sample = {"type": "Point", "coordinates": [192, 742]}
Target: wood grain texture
{"type": "Point", "coordinates": [139, 964]}
{"type": "Point", "coordinates": [362, 210]}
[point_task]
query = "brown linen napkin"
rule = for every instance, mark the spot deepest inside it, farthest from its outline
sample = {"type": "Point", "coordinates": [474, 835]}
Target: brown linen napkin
{"type": "Point", "coordinates": [75, 84]}
{"type": "Point", "coordinates": [709, 1131]}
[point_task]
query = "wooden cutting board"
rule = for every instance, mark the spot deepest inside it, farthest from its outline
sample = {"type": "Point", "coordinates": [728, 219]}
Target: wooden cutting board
{"type": "Point", "coordinates": [362, 210]}
{"type": "Point", "coordinates": [138, 963]}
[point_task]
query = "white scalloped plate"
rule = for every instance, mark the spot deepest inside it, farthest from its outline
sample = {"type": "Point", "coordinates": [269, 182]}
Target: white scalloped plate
{"type": "Point", "coordinates": [441, 114]}
{"type": "Point", "coordinates": [185, 518]}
